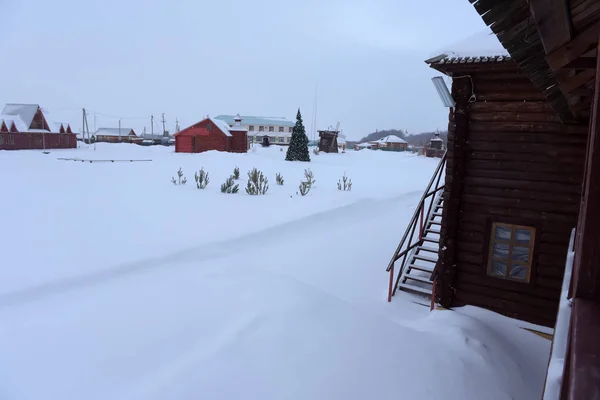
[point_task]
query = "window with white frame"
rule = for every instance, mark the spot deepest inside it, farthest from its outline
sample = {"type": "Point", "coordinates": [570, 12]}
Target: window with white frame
{"type": "Point", "coordinates": [271, 129]}
{"type": "Point", "coordinates": [261, 128]}
{"type": "Point", "coordinates": [281, 129]}
{"type": "Point", "coordinates": [251, 128]}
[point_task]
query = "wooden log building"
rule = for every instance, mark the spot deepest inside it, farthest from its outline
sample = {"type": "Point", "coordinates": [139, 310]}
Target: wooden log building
{"type": "Point", "coordinates": [523, 170]}
{"type": "Point", "coordinates": [25, 127]}
{"type": "Point", "coordinates": [212, 134]}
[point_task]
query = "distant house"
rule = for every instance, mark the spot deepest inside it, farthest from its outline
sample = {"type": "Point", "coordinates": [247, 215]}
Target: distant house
{"type": "Point", "coordinates": [277, 130]}
{"type": "Point", "coordinates": [392, 143]}
{"type": "Point", "coordinates": [24, 126]}
{"type": "Point", "coordinates": [115, 135]}
{"type": "Point", "coordinates": [328, 142]}
{"type": "Point", "coordinates": [213, 134]}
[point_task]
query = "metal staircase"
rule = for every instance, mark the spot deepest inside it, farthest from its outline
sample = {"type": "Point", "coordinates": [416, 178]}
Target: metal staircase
{"type": "Point", "coordinates": [417, 253]}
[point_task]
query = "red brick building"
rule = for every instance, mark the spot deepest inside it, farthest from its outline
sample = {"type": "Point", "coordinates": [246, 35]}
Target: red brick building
{"type": "Point", "coordinates": [24, 126]}
{"type": "Point", "coordinates": [212, 134]}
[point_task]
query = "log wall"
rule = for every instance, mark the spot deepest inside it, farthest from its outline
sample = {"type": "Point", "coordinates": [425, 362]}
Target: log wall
{"type": "Point", "coordinates": [516, 163]}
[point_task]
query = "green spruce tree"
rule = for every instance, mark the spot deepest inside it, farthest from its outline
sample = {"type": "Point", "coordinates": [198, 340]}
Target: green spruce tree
{"type": "Point", "coordinates": [298, 148]}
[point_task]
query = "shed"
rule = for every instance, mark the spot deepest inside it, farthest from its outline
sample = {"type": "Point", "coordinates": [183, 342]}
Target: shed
{"type": "Point", "coordinates": [514, 175]}
{"type": "Point", "coordinates": [328, 141]}
{"type": "Point", "coordinates": [211, 134]}
{"type": "Point", "coordinates": [392, 143]}
{"type": "Point", "coordinates": [116, 135]}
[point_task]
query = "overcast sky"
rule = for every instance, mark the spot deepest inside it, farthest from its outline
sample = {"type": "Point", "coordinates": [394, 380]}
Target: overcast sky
{"type": "Point", "coordinates": [189, 58]}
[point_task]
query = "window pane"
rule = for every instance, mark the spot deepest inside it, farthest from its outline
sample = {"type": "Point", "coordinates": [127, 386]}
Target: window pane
{"type": "Point", "coordinates": [518, 271]}
{"type": "Point", "coordinates": [498, 268]}
{"type": "Point", "coordinates": [520, 254]}
{"type": "Point", "coordinates": [500, 250]}
{"type": "Point", "coordinates": [503, 232]}
{"type": "Point", "coordinates": [522, 236]}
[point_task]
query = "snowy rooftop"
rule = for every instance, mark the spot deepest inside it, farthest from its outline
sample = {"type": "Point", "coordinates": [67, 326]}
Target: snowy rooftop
{"type": "Point", "coordinates": [222, 125]}
{"type": "Point", "coordinates": [482, 44]}
{"type": "Point", "coordinates": [24, 111]}
{"type": "Point", "coordinates": [252, 120]}
{"type": "Point", "coordinates": [391, 139]}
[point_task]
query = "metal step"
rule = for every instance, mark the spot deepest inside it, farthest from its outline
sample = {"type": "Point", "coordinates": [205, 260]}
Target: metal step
{"type": "Point", "coordinates": [418, 279]}
{"type": "Point", "coordinates": [435, 223]}
{"type": "Point", "coordinates": [414, 288]}
{"type": "Point", "coordinates": [432, 231]}
{"type": "Point", "coordinates": [425, 268]}
{"type": "Point", "coordinates": [423, 258]}
{"type": "Point", "coordinates": [437, 214]}
{"type": "Point", "coordinates": [429, 249]}
{"type": "Point", "coordinates": [431, 240]}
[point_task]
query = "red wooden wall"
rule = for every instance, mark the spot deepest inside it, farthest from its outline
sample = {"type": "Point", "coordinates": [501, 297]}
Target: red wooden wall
{"type": "Point", "coordinates": [205, 136]}
{"type": "Point", "coordinates": [24, 141]}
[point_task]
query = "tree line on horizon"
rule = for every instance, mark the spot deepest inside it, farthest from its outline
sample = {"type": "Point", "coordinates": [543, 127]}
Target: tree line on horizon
{"type": "Point", "coordinates": [418, 139]}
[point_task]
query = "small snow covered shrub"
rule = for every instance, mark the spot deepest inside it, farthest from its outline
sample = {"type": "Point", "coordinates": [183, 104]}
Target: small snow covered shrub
{"type": "Point", "coordinates": [236, 173]}
{"type": "Point", "coordinates": [257, 183]}
{"type": "Point", "coordinates": [201, 179]}
{"type": "Point", "coordinates": [181, 180]}
{"type": "Point", "coordinates": [230, 186]}
{"type": "Point", "coordinates": [345, 184]}
{"type": "Point", "coordinates": [279, 179]}
{"type": "Point", "coordinates": [309, 177]}
{"type": "Point", "coordinates": [304, 188]}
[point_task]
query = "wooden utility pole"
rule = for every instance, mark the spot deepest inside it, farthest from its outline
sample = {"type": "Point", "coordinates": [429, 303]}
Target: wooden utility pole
{"type": "Point", "coordinates": [163, 122]}
{"type": "Point", "coordinates": [152, 124]}
{"type": "Point", "coordinates": [119, 127]}
{"type": "Point", "coordinates": [177, 129]}
{"type": "Point", "coordinates": [85, 128]}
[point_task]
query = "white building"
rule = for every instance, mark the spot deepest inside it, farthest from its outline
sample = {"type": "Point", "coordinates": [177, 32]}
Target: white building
{"type": "Point", "coordinates": [278, 130]}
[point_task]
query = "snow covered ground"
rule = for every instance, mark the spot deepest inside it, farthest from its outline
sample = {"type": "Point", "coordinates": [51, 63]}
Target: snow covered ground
{"type": "Point", "coordinates": [116, 284]}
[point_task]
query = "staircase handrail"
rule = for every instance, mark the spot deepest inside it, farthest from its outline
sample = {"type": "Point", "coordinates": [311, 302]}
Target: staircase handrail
{"type": "Point", "coordinates": [399, 253]}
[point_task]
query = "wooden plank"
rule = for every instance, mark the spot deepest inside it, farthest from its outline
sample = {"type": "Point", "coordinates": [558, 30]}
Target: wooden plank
{"type": "Point", "coordinates": [527, 166]}
{"type": "Point", "coordinates": [510, 96]}
{"type": "Point", "coordinates": [549, 305]}
{"type": "Point", "coordinates": [445, 269]}
{"type": "Point", "coordinates": [582, 63]}
{"type": "Point", "coordinates": [574, 49]}
{"type": "Point", "coordinates": [525, 176]}
{"type": "Point", "coordinates": [531, 195]}
{"type": "Point", "coordinates": [532, 205]}
{"type": "Point", "coordinates": [550, 293]}
{"type": "Point", "coordinates": [547, 148]}
{"type": "Point", "coordinates": [576, 81]}
{"type": "Point", "coordinates": [498, 212]}
{"type": "Point", "coordinates": [523, 185]}
{"type": "Point", "coordinates": [523, 137]}
{"type": "Point", "coordinates": [532, 127]}
{"type": "Point", "coordinates": [499, 116]}
{"type": "Point", "coordinates": [508, 308]}
{"type": "Point", "coordinates": [586, 269]}
{"type": "Point", "coordinates": [532, 157]}
{"type": "Point", "coordinates": [584, 351]}
{"type": "Point", "coordinates": [553, 22]}
{"type": "Point", "coordinates": [512, 106]}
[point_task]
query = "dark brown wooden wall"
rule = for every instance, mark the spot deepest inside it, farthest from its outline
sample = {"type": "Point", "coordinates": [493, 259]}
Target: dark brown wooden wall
{"type": "Point", "coordinates": [513, 161]}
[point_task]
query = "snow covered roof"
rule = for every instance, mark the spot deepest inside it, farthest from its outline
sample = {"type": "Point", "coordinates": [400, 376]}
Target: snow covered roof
{"type": "Point", "coordinates": [222, 125]}
{"type": "Point", "coordinates": [391, 139]}
{"type": "Point", "coordinates": [114, 132]}
{"type": "Point", "coordinates": [483, 46]}
{"type": "Point", "coordinates": [24, 111]}
{"type": "Point", "coordinates": [10, 119]}
{"type": "Point", "coordinates": [237, 126]}
{"type": "Point", "coordinates": [252, 120]}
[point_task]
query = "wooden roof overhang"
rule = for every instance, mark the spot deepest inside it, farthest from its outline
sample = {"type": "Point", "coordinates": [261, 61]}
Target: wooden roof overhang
{"type": "Point", "coordinates": [554, 44]}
